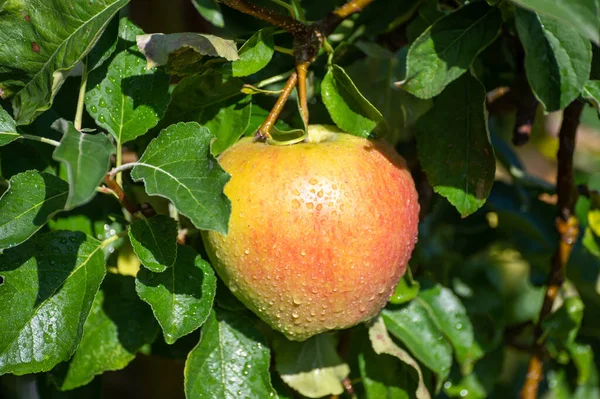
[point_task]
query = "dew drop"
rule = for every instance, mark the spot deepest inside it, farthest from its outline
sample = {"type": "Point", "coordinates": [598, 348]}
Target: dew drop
{"type": "Point", "coordinates": [310, 205]}
{"type": "Point", "coordinates": [313, 181]}
{"type": "Point", "coordinates": [295, 204]}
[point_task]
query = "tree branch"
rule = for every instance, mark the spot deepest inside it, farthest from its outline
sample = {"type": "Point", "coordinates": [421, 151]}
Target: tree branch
{"type": "Point", "coordinates": [328, 24]}
{"type": "Point", "coordinates": [567, 226]}
{"type": "Point", "coordinates": [123, 199]}
{"type": "Point", "coordinates": [274, 18]}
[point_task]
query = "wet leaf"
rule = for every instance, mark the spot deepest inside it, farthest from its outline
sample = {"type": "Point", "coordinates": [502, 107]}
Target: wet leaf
{"type": "Point", "coordinates": [123, 96]}
{"type": "Point", "coordinates": [154, 241]}
{"type": "Point", "coordinates": [231, 360]}
{"type": "Point", "coordinates": [178, 165]}
{"type": "Point", "coordinates": [31, 199]}
{"type": "Point", "coordinates": [45, 46]}
{"type": "Point", "coordinates": [181, 297]}
{"type": "Point", "coordinates": [49, 285]}
{"type": "Point", "coordinates": [118, 326]}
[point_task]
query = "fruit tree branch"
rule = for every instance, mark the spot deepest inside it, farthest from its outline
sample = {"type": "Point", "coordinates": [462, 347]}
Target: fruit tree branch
{"type": "Point", "coordinates": [123, 199]}
{"type": "Point", "coordinates": [274, 18]}
{"type": "Point", "coordinates": [328, 24]}
{"type": "Point", "coordinates": [567, 226]}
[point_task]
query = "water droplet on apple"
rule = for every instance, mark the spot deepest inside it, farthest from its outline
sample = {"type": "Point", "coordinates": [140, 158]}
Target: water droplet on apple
{"type": "Point", "coordinates": [295, 204]}
{"type": "Point", "coordinates": [319, 207]}
{"type": "Point", "coordinates": [313, 181]}
{"type": "Point", "coordinates": [247, 251]}
{"type": "Point", "coordinates": [310, 205]}
{"type": "Point", "coordinates": [303, 253]}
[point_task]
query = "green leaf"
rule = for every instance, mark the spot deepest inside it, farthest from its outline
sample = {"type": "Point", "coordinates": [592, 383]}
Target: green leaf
{"type": "Point", "coordinates": [231, 360]}
{"type": "Point", "coordinates": [558, 384]}
{"type": "Point", "coordinates": [406, 290]}
{"type": "Point", "coordinates": [590, 389]}
{"type": "Point", "coordinates": [447, 48]}
{"type": "Point", "coordinates": [312, 367]}
{"type": "Point", "coordinates": [454, 146]}
{"type": "Point", "coordinates": [227, 122]}
{"type": "Point", "coordinates": [181, 297]}
{"type": "Point", "coordinates": [374, 76]}
{"type": "Point", "coordinates": [47, 38]}
{"type": "Point", "coordinates": [350, 111]}
{"type": "Point", "coordinates": [123, 96]}
{"type": "Point", "coordinates": [255, 54]}
{"type": "Point", "coordinates": [583, 358]}
{"type": "Point", "coordinates": [451, 317]}
{"type": "Point", "coordinates": [213, 101]}
{"type": "Point", "coordinates": [383, 344]}
{"type": "Point", "coordinates": [202, 94]}
{"type": "Point", "coordinates": [591, 92]}
{"type": "Point", "coordinates": [563, 324]}
{"type": "Point", "coordinates": [382, 375]}
{"type": "Point", "coordinates": [178, 165]}
{"type": "Point", "coordinates": [161, 49]}
{"type": "Point", "coordinates": [87, 159]}
{"type": "Point", "coordinates": [583, 15]}
{"type": "Point", "coordinates": [557, 59]}
{"type": "Point", "coordinates": [480, 383]}
{"type": "Point", "coordinates": [105, 47]}
{"type": "Point", "coordinates": [210, 11]}
{"type": "Point", "coordinates": [48, 289]}
{"type": "Point", "coordinates": [415, 327]}
{"type": "Point", "coordinates": [118, 326]}
{"type": "Point", "coordinates": [8, 128]}
{"type": "Point", "coordinates": [154, 241]}
{"type": "Point", "coordinates": [31, 199]}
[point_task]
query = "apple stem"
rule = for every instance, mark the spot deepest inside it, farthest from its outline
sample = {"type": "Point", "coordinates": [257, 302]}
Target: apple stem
{"type": "Point", "coordinates": [264, 131]}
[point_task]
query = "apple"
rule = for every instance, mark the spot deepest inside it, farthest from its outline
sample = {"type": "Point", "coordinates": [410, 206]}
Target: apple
{"type": "Point", "coordinates": [320, 231]}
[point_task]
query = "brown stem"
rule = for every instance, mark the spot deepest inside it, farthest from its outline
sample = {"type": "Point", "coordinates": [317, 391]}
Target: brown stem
{"type": "Point", "coordinates": [123, 199]}
{"type": "Point", "coordinates": [274, 18]}
{"type": "Point", "coordinates": [302, 69]}
{"type": "Point", "coordinates": [328, 24]}
{"type": "Point", "coordinates": [264, 131]}
{"type": "Point", "coordinates": [568, 228]}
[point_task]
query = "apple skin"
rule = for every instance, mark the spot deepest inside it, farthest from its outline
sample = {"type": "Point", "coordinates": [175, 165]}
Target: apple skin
{"type": "Point", "coordinates": [319, 234]}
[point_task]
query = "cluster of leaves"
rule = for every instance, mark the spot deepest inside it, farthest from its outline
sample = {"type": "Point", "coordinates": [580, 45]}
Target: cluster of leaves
{"type": "Point", "coordinates": [87, 283]}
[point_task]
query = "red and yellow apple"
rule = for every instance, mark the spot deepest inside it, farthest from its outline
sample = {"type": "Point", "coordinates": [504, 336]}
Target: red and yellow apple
{"type": "Point", "coordinates": [320, 232]}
